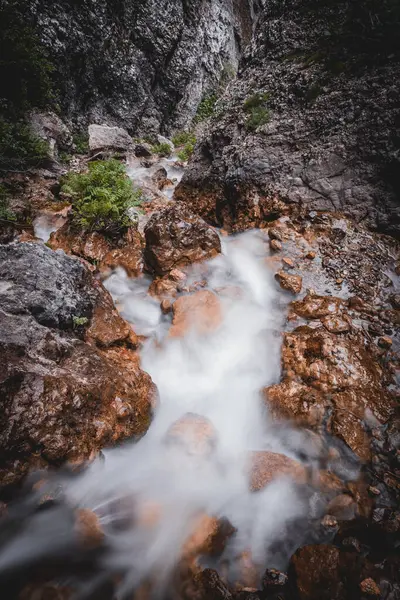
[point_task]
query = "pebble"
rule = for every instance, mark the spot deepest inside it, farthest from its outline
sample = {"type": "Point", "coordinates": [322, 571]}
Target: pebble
{"type": "Point", "coordinates": [311, 255]}
{"type": "Point", "coordinates": [370, 587]}
{"type": "Point", "coordinates": [275, 245]}
{"type": "Point", "coordinates": [275, 234]}
{"type": "Point", "coordinates": [385, 342]}
{"type": "Point", "coordinates": [288, 262]}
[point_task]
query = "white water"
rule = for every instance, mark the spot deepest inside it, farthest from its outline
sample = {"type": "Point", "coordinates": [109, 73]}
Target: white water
{"type": "Point", "coordinates": [219, 376]}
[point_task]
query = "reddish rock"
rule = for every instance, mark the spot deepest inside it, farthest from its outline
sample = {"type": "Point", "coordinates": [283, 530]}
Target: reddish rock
{"type": "Point", "coordinates": [166, 306]}
{"type": "Point", "coordinates": [275, 245]}
{"type": "Point", "coordinates": [88, 528]}
{"type": "Point", "coordinates": [317, 573]}
{"type": "Point", "coordinates": [176, 237]}
{"type": "Point", "coordinates": [163, 288]}
{"type": "Point", "coordinates": [274, 579]}
{"type": "Point", "coordinates": [209, 537]}
{"type": "Point", "coordinates": [287, 262]}
{"type": "Point", "coordinates": [265, 466]}
{"type": "Point", "coordinates": [369, 587]}
{"type": "Point", "coordinates": [200, 312]}
{"type": "Point", "coordinates": [336, 324]}
{"type": "Point", "coordinates": [311, 255]}
{"type": "Point", "coordinates": [316, 307]}
{"type": "Point", "coordinates": [291, 283]}
{"type": "Point", "coordinates": [193, 432]}
{"type": "Point", "coordinates": [212, 586]}
{"type": "Point", "coordinates": [342, 507]}
{"type": "Point", "coordinates": [385, 342]}
{"type": "Point", "coordinates": [275, 233]}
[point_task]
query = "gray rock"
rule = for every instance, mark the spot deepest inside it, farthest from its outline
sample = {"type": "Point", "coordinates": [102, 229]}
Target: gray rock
{"type": "Point", "coordinates": [50, 286]}
{"type": "Point", "coordinates": [330, 140]}
{"type": "Point", "coordinates": [102, 137]}
{"type": "Point", "coordinates": [163, 140]}
{"type": "Point", "coordinates": [49, 127]}
{"type": "Point", "coordinates": [142, 65]}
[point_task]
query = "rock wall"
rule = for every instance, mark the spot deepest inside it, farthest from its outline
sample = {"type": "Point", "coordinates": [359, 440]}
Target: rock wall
{"type": "Point", "coordinates": [320, 80]}
{"type": "Point", "coordinates": [144, 65]}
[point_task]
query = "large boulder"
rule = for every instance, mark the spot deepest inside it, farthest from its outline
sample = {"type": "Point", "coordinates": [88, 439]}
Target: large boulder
{"type": "Point", "coordinates": [176, 237]}
{"type": "Point", "coordinates": [50, 128]}
{"type": "Point", "coordinates": [70, 378]}
{"type": "Point", "coordinates": [102, 137]}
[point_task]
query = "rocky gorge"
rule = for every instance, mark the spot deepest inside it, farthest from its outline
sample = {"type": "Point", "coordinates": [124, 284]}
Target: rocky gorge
{"type": "Point", "coordinates": [200, 396]}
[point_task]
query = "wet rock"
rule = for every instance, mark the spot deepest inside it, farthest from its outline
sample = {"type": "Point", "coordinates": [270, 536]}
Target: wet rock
{"type": "Point", "coordinates": [265, 466]}
{"type": "Point", "coordinates": [335, 324]}
{"type": "Point", "coordinates": [166, 306]}
{"type": "Point", "coordinates": [46, 591]}
{"type": "Point", "coordinates": [385, 342]}
{"type": "Point", "coordinates": [287, 262]}
{"type": "Point", "coordinates": [311, 255]}
{"type": "Point", "coordinates": [313, 306]}
{"type": "Point", "coordinates": [88, 528]}
{"type": "Point", "coordinates": [199, 312]}
{"type": "Point", "coordinates": [195, 433]}
{"type": "Point", "coordinates": [342, 507]}
{"type": "Point", "coordinates": [102, 137]}
{"type": "Point", "coordinates": [275, 233]}
{"type": "Point", "coordinates": [369, 587]}
{"type": "Point", "coordinates": [62, 398]}
{"type": "Point", "coordinates": [143, 150]}
{"type": "Point", "coordinates": [159, 177]}
{"type": "Point", "coordinates": [291, 283]}
{"type": "Point", "coordinates": [50, 128]}
{"type": "Point", "coordinates": [317, 573]}
{"type": "Point", "coordinates": [273, 579]}
{"type": "Point", "coordinates": [176, 237]}
{"type": "Point", "coordinates": [209, 537]}
{"type": "Point", "coordinates": [212, 586]}
{"type": "Point", "coordinates": [275, 245]}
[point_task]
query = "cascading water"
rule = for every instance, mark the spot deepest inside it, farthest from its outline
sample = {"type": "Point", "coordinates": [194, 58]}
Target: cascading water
{"type": "Point", "coordinates": [194, 461]}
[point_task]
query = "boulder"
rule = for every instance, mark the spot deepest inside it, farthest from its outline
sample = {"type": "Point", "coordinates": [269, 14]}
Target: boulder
{"type": "Point", "coordinates": [176, 237]}
{"type": "Point", "coordinates": [200, 312]}
{"type": "Point", "coordinates": [50, 128]}
{"type": "Point", "coordinates": [102, 137]}
{"type": "Point", "coordinates": [265, 466]}
{"type": "Point", "coordinates": [194, 433]}
{"type": "Point", "coordinates": [291, 283]}
{"type": "Point", "coordinates": [62, 398]}
{"type": "Point", "coordinates": [317, 573]}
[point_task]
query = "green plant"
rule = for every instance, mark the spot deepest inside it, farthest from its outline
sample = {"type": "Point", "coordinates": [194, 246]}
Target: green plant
{"type": "Point", "coordinates": [206, 108]}
{"type": "Point", "coordinates": [102, 196]}
{"type": "Point", "coordinates": [6, 214]}
{"type": "Point", "coordinates": [255, 101]}
{"type": "Point", "coordinates": [64, 158]}
{"type": "Point", "coordinates": [186, 152]}
{"type": "Point", "coordinates": [19, 147]}
{"type": "Point", "coordinates": [257, 111]}
{"type": "Point", "coordinates": [81, 142]}
{"type": "Point", "coordinates": [162, 149]}
{"type": "Point", "coordinates": [183, 137]}
{"type": "Point", "coordinates": [79, 321]}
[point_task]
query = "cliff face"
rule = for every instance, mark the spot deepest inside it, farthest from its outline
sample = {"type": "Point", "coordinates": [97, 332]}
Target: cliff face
{"type": "Point", "coordinates": [144, 65]}
{"type": "Point", "coordinates": [312, 120]}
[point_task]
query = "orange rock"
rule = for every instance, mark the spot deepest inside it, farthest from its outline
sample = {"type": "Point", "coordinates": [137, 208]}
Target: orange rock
{"type": "Point", "coordinates": [193, 432]}
{"type": "Point", "coordinates": [385, 342]}
{"type": "Point", "coordinates": [311, 255]}
{"type": "Point", "coordinates": [288, 263]}
{"type": "Point", "coordinates": [275, 245]}
{"type": "Point", "coordinates": [266, 466]}
{"type": "Point", "coordinates": [166, 306]}
{"type": "Point", "coordinates": [370, 587]}
{"type": "Point", "coordinates": [291, 283]}
{"type": "Point", "coordinates": [88, 528]}
{"type": "Point", "coordinates": [107, 326]}
{"type": "Point", "coordinates": [317, 572]}
{"type": "Point", "coordinates": [336, 324]}
{"type": "Point", "coordinates": [315, 307]}
{"type": "Point", "coordinates": [200, 311]}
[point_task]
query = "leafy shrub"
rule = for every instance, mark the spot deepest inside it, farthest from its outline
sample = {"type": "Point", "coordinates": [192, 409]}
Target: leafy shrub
{"type": "Point", "coordinates": [6, 214]}
{"type": "Point", "coordinates": [206, 108]}
{"type": "Point", "coordinates": [186, 152]}
{"type": "Point", "coordinates": [183, 137]}
{"type": "Point", "coordinates": [162, 149]}
{"type": "Point", "coordinates": [19, 147]}
{"type": "Point", "coordinates": [79, 321]}
{"type": "Point", "coordinates": [81, 142]}
{"type": "Point", "coordinates": [102, 196]}
{"type": "Point", "coordinates": [257, 112]}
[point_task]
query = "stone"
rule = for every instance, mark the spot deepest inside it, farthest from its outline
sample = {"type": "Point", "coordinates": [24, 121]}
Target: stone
{"type": "Point", "coordinates": [311, 255]}
{"type": "Point", "coordinates": [61, 396]}
{"type": "Point", "coordinates": [194, 433]}
{"type": "Point", "coordinates": [342, 507]}
{"type": "Point", "coordinates": [199, 312]}
{"type": "Point", "coordinates": [209, 537]}
{"type": "Point", "coordinates": [369, 587]}
{"type": "Point", "coordinates": [265, 466]}
{"type": "Point", "coordinates": [275, 245]}
{"type": "Point", "coordinates": [143, 150]}
{"type": "Point", "coordinates": [166, 306]}
{"type": "Point", "coordinates": [287, 262]}
{"type": "Point", "coordinates": [273, 579]}
{"type": "Point", "coordinates": [275, 233]}
{"type": "Point", "coordinates": [49, 127]}
{"type": "Point", "coordinates": [317, 572]}
{"type": "Point", "coordinates": [102, 137]}
{"type": "Point", "coordinates": [385, 342]}
{"type": "Point", "coordinates": [163, 140]}
{"type": "Point", "coordinates": [313, 306]}
{"type": "Point", "coordinates": [88, 528]}
{"type": "Point", "coordinates": [212, 586]}
{"type": "Point", "coordinates": [335, 324]}
{"type": "Point", "coordinates": [159, 177]}
{"type": "Point", "coordinates": [291, 283]}
{"type": "Point", "coordinates": [175, 237]}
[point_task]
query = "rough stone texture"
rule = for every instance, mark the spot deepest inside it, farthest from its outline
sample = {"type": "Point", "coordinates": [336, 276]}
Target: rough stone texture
{"type": "Point", "coordinates": [102, 137]}
{"type": "Point", "coordinates": [176, 237]}
{"type": "Point", "coordinates": [291, 283]}
{"type": "Point", "coordinates": [266, 466]}
{"type": "Point", "coordinates": [317, 573]}
{"type": "Point", "coordinates": [141, 65]}
{"type": "Point", "coordinates": [49, 127]}
{"type": "Point", "coordinates": [62, 398]}
{"type": "Point", "coordinates": [329, 71]}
